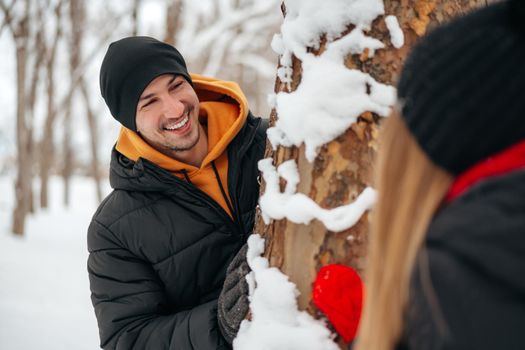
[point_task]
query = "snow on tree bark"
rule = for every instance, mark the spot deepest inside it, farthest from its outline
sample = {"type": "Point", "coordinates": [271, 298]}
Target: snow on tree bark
{"type": "Point", "coordinates": [343, 168]}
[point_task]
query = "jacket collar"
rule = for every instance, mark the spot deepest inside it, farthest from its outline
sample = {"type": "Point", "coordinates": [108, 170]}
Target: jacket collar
{"type": "Point", "coordinates": [504, 162]}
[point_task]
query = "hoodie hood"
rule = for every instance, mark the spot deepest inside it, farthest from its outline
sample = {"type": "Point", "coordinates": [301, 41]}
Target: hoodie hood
{"type": "Point", "coordinates": [223, 109]}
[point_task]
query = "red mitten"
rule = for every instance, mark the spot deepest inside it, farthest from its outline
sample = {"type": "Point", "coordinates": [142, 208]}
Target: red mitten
{"type": "Point", "coordinates": [338, 293]}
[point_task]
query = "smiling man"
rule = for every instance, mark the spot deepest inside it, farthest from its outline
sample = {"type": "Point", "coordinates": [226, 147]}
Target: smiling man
{"type": "Point", "coordinates": [184, 177]}
{"type": "Point", "coordinates": [171, 125]}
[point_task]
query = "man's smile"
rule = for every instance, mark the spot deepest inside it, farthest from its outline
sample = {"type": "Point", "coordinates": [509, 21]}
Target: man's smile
{"type": "Point", "coordinates": [178, 125]}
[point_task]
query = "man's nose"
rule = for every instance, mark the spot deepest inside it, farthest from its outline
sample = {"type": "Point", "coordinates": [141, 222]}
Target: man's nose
{"type": "Point", "coordinates": [173, 107]}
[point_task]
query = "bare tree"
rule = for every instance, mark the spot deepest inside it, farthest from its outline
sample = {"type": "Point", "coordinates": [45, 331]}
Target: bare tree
{"type": "Point", "coordinates": [39, 45]}
{"type": "Point", "coordinates": [94, 139]}
{"type": "Point", "coordinates": [135, 16]}
{"type": "Point", "coordinates": [47, 150]}
{"type": "Point", "coordinates": [173, 17]}
{"type": "Point", "coordinates": [76, 18]}
{"type": "Point", "coordinates": [17, 20]}
{"type": "Point", "coordinates": [57, 107]}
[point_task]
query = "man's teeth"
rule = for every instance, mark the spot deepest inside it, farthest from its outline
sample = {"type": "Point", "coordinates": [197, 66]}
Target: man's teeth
{"type": "Point", "coordinates": [178, 125]}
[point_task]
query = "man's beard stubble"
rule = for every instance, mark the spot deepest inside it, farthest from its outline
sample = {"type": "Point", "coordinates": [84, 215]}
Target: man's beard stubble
{"type": "Point", "coordinates": [187, 148]}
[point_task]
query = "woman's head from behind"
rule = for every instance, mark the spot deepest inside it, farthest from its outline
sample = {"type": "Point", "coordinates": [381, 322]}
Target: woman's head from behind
{"type": "Point", "coordinates": [461, 100]}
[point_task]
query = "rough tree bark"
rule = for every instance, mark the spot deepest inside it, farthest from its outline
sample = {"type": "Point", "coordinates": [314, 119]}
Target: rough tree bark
{"type": "Point", "coordinates": [344, 168]}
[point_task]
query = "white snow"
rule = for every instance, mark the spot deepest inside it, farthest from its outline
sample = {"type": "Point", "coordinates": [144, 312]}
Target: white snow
{"type": "Point", "coordinates": [271, 99]}
{"type": "Point", "coordinates": [44, 295]}
{"type": "Point", "coordinates": [301, 209]}
{"type": "Point", "coordinates": [305, 20]}
{"type": "Point", "coordinates": [330, 96]}
{"type": "Point", "coordinates": [276, 323]}
{"type": "Point", "coordinates": [326, 103]}
{"type": "Point", "coordinates": [396, 34]}
{"type": "Point", "coordinates": [354, 43]}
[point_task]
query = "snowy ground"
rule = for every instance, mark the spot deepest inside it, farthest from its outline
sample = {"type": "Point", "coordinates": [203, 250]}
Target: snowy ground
{"type": "Point", "coordinates": [44, 288]}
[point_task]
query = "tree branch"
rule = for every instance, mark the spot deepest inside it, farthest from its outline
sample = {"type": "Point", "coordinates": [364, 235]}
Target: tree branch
{"type": "Point", "coordinates": [7, 20]}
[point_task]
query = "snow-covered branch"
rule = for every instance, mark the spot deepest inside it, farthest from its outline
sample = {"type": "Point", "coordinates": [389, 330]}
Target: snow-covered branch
{"type": "Point", "coordinates": [301, 209]}
{"type": "Point", "coordinates": [238, 28]}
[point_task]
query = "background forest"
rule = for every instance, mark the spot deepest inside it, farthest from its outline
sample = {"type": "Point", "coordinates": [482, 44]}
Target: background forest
{"type": "Point", "coordinates": [56, 135]}
{"type": "Point", "coordinates": [54, 121]}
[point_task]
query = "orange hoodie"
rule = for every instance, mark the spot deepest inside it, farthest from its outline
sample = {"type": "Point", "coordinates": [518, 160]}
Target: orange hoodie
{"type": "Point", "coordinates": [223, 107]}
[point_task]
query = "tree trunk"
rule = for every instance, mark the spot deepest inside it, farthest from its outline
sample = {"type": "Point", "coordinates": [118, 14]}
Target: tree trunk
{"type": "Point", "coordinates": [47, 151]}
{"type": "Point", "coordinates": [94, 139]}
{"type": "Point", "coordinates": [76, 16]}
{"type": "Point", "coordinates": [23, 179]}
{"type": "Point", "coordinates": [344, 167]}
{"type": "Point", "coordinates": [32, 97]}
{"type": "Point", "coordinates": [135, 17]}
{"type": "Point", "coordinates": [173, 12]}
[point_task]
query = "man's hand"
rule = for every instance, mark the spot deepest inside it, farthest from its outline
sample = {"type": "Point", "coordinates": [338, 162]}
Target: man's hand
{"type": "Point", "coordinates": [233, 302]}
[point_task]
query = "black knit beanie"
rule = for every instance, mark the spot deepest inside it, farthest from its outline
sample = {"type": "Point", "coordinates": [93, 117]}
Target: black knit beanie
{"type": "Point", "coordinates": [129, 66]}
{"type": "Point", "coordinates": [462, 89]}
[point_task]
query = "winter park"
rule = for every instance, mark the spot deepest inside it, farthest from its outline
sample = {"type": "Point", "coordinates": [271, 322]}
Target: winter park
{"type": "Point", "coordinates": [262, 174]}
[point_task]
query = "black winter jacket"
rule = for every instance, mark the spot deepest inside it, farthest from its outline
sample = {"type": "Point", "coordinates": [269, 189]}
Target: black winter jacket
{"type": "Point", "coordinates": [468, 289]}
{"type": "Point", "coordinates": [159, 248]}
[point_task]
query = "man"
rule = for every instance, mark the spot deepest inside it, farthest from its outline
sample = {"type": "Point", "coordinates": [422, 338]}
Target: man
{"type": "Point", "coordinates": [184, 174]}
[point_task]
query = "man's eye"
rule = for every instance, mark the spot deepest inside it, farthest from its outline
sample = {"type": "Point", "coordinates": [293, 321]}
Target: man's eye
{"type": "Point", "coordinates": [149, 103]}
{"type": "Point", "coordinates": [175, 86]}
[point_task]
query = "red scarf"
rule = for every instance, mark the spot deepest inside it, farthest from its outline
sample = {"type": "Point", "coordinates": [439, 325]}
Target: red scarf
{"type": "Point", "coordinates": [506, 161]}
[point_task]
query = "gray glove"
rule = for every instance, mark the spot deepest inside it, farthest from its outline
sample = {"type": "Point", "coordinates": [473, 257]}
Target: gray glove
{"type": "Point", "coordinates": [233, 303]}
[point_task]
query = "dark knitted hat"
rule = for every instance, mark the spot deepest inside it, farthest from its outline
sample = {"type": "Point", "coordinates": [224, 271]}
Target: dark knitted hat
{"type": "Point", "coordinates": [462, 89]}
{"type": "Point", "coordinates": [129, 66]}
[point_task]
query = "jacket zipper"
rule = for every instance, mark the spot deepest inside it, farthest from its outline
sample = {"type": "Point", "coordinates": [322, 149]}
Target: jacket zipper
{"type": "Point", "coordinates": [195, 192]}
{"type": "Point", "coordinates": [203, 196]}
{"type": "Point", "coordinates": [235, 176]}
{"type": "Point", "coordinates": [192, 190]}
{"type": "Point", "coordinates": [223, 192]}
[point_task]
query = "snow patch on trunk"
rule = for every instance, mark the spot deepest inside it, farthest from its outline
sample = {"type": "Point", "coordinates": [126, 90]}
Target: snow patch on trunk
{"type": "Point", "coordinates": [326, 103]}
{"type": "Point", "coordinates": [301, 209]}
{"type": "Point", "coordinates": [276, 322]}
{"type": "Point", "coordinates": [330, 96]}
{"type": "Point", "coordinates": [396, 34]}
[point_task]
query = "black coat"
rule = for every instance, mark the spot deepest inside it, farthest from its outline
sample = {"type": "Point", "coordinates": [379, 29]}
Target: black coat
{"type": "Point", "coordinates": [159, 248]}
{"type": "Point", "coordinates": [473, 297]}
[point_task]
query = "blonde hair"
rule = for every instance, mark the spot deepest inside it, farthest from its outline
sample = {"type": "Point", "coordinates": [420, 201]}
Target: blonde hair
{"type": "Point", "coordinates": [410, 189]}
